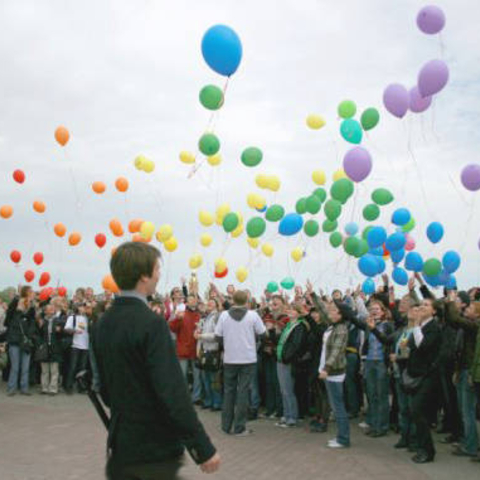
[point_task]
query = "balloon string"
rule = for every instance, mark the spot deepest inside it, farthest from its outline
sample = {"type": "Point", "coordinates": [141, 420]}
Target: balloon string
{"type": "Point", "coordinates": [469, 221]}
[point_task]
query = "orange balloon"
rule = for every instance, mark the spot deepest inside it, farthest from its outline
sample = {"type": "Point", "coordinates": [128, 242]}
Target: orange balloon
{"type": "Point", "coordinates": [59, 229]}
{"type": "Point", "coordinates": [134, 225]}
{"type": "Point", "coordinates": [39, 206]}
{"type": "Point", "coordinates": [108, 283]}
{"type": "Point", "coordinates": [116, 227]}
{"type": "Point", "coordinates": [74, 239]}
{"type": "Point", "coordinates": [138, 238]}
{"type": "Point", "coordinates": [62, 136]}
{"type": "Point", "coordinates": [98, 187]}
{"type": "Point", "coordinates": [121, 184]}
{"type": "Point", "coordinates": [6, 211]}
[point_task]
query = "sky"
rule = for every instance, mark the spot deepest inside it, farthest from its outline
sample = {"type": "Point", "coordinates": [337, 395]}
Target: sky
{"type": "Point", "coordinates": [124, 77]}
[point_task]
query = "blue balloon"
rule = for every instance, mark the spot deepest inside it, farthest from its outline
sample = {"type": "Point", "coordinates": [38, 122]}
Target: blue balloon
{"type": "Point", "coordinates": [432, 281]}
{"type": "Point", "coordinates": [368, 286]}
{"type": "Point", "coordinates": [290, 224]}
{"type": "Point", "coordinates": [396, 241]}
{"type": "Point", "coordinates": [376, 251]}
{"type": "Point", "coordinates": [451, 283]}
{"type": "Point", "coordinates": [443, 277]}
{"type": "Point", "coordinates": [351, 229]}
{"type": "Point", "coordinates": [414, 262]}
{"type": "Point", "coordinates": [222, 49]}
{"type": "Point", "coordinates": [451, 261]}
{"type": "Point", "coordinates": [381, 265]}
{"type": "Point", "coordinates": [368, 265]}
{"type": "Point", "coordinates": [435, 232]}
{"type": "Point", "coordinates": [376, 237]}
{"type": "Point", "coordinates": [397, 255]}
{"type": "Point", "coordinates": [351, 130]}
{"type": "Point", "coordinates": [400, 276]}
{"type": "Point", "coordinates": [401, 216]}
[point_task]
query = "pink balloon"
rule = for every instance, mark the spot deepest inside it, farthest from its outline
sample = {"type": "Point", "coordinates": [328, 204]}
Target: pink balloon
{"type": "Point", "coordinates": [410, 245]}
{"type": "Point", "coordinates": [396, 99]}
{"type": "Point", "coordinates": [432, 77]}
{"type": "Point", "coordinates": [418, 104]}
{"type": "Point", "coordinates": [357, 164]}
{"type": "Point", "coordinates": [431, 19]}
{"type": "Point", "coordinates": [471, 177]}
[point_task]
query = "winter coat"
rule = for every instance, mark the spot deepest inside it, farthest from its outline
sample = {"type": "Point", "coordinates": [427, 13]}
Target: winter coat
{"type": "Point", "coordinates": [184, 328]}
{"type": "Point", "coordinates": [16, 320]}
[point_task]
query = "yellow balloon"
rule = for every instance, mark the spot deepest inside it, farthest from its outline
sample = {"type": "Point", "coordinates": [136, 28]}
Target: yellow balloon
{"type": "Point", "coordinates": [205, 218]}
{"type": "Point", "coordinates": [315, 122]}
{"type": "Point", "coordinates": [220, 264]}
{"type": "Point", "coordinates": [262, 180]}
{"type": "Point", "coordinates": [340, 173]}
{"type": "Point", "coordinates": [195, 261]}
{"type": "Point", "coordinates": [319, 177]}
{"type": "Point", "coordinates": [222, 210]}
{"type": "Point", "coordinates": [187, 157]}
{"type": "Point", "coordinates": [274, 184]}
{"type": "Point", "coordinates": [242, 274]}
{"type": "Point", "coordinates": [206, 239]}
{"type": "Point", "coordinates": [252, 199]}
{"type": "Point", "coordinates": [164, 233]}
{"type": "Point", "coordinates": [148, 166]}
{"type": "Point", "coordinates": [139, 161]}
{"type": "Point", "coordinates": [267, 249]}
{"type": "Point", "coordinates": [147, 229]}
{"type": "Point", "coordinates": [297, 254]}
{"type": "Point", "coordinates": [215, 160]}
{"type": "Point", "coordinates": [171, 244]}
{"type": "Point", "coordinates": [253, 242]}
{"type": "Point", "coordinates": [238, 231]}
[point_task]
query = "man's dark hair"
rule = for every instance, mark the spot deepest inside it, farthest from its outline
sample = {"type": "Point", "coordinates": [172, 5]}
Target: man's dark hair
{"type": "Point", "coordinates": [131, 261]}
{"type": "Point", "coordinates": [240, 298]}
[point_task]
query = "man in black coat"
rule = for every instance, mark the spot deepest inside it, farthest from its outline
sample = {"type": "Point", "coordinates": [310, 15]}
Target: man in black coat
{"type": "Point", "coordinates": [152, 417]}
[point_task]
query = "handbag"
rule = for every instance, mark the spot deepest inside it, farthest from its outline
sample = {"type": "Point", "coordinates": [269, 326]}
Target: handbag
{"type": "Point", "coordinates": [41, 353]}
{"type": "Point", "coordinates": [411, 384]}
{"type": "Point", "coordinates": [26, 343]}
{"type": "Point", "coordinates": [208, 361]}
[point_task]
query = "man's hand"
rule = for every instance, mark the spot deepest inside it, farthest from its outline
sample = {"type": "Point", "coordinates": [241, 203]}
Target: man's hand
{"type": "Point", "coordinates": [323, 375]}
{"type": "Point", "coordinates": [411, 284]}
{"type": "Point", "coordinates": [385, 279]}
{"type": "Point", "coordinates": [211, 465]}
{"type": "Point", "coordinates": [309, 287]}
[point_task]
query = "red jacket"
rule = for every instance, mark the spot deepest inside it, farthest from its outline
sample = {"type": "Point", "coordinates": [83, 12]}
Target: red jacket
{"type": "Point", "coordinates": [184, 329]}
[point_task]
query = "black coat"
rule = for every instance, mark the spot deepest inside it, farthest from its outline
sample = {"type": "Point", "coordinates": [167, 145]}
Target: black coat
{"type": "Point", "coordinates": [141, 382]}
{"type": "Point", "coordinates": [55, 348]}
{"type": "Point", "coordinates": [423, 360]}
{"type": "Point", "coordinates": [16, 320]}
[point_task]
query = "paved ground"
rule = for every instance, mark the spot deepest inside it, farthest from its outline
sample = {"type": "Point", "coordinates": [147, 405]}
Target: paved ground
{"type": "Point", "coordinates": [43, 438]}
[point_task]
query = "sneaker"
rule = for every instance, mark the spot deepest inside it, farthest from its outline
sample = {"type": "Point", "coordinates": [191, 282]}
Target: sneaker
{"type": "Point", "coordinates": [363, 425]}
{"type": "Point", "coordinates": [245, 433]}
{"type": "Point", "coordinates": [335, 444]}
{"type": "Point", "coordinates": [281, 423]}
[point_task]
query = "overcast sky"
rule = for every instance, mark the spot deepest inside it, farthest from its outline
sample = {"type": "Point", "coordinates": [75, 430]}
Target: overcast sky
{"type": "Point", "coordinates": [124, 76]}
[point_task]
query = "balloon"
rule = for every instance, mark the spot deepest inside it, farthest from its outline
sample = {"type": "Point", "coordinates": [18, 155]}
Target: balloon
{"type": "Point", "coordinates": [333, 209]}
{"type": "Point", "coordinates": [38, 258]}
{"type": "Point", "coordinates": [290, 224]}
{"type": "Point", "coordinates": [287, 283]}
{"type": "Point", "coordinates": [187, 157]}
{"type": "Point", "coordinates": [431, 19]}
{"type": "Point", "coordinates": [365, 231]}
{"type": "Point", "coordinates": [400, 276]}
{"type": "Point", "coordinates": [340, 173]}
{"type": "Point", "coordinates": [253, 242]}
{"type": "Point", "coordinates": [371, 212]}
{"type": "Point", "coordinates": [205, 218]}
{"type": "Point", "coordinates": [256, 227]}
{"type": "Point", "coordinates": [230, 222]}
{"type": "Point", "coordinates": [329, 225]}
{"type": "Point", "coordinates": [109, 284]}
{"type": "Point", "coordinates": [410, 244]}
{"type": "Point", "coordinates": [98, 187]}
{"type": "Point", "coordinates": [62, 291]}
{"type": "Point", "coordinates": [301, 206]}
{"type": "Point", "coordinates": [171, 244]}
{"type": "Point", "coordinates": [59, 229]}
{"type": "Point", "coordinates": [100, 240]}
{"type": "Point", "coordinates": [273, 184]}
{"type": "Point", "coordinates": [116, 227]}
{"type": "Point", "coordinates": [381, 265]}
{"type": "Point", "coordinates": [121, 184]}
{"type": "Point", "coordinates": [222, 49]}
{"type": "Point", "coordinates": [318, 177]}
{"type": "Point", "coordinates": [397, 255]}
{"type": "Point", "coordinates": [148, 166]}
{"type": "Point", "coordinates": [451, 283]}
{"type": "Point", "coordinates": [297, 254]}
{"type": "Point", "coordinates": [370, 118]}
{"type": "Point", "coordinates": [18, 176]}
{"type": "Point", "coordinates": [414, 262]}
{"type": "Point", "coordinates": [351, 130]}
{"type": "Point", "coordinates": [368, 265]}
{"type": "Point", "coordinates": [139, 161]}
{"type": "Point", "coordinates": [62, 135]}
{"type": "Point", "coordinates": [432, 77]}
{"type": "Point", "coordinates": [401, 216]}
{"type": "Point", "coordinates": [222, 210]}
{"type": "Point", "coordinates": [377, 251]}
{"type": "Point", "coordinates": [313, 204]}
{"type": "Point", "coordinates": [214, 160]}
{"type": "Point", "coordinates": [336, 239]}
{"type": "Point", "coordinates": [435, 232]}
{"type": "Point", "coordinates": [351, 245]}
{"type": "Point", "coordinates": [147, 230]}
{"type": "Point", "coordinates": [315, 122]}
{"type": "Point", "coordinates": [417, 103]}
{"type": "Point", "coordinates": [137, 237]}
{"type": "Point", "coordinates": [351, 228]}
{"type": "Point", "coordinates": [241, 274]}
{"type": "Point", "coordinates": [29, 276]}
{"type": "Point", "coordinates": [382, 196]}
{"type": "Point", "coordinates": [471, 177]}
{"type": "Point", "coordinates": [45, 294]}
{"type": "Point", "coordinates": [220, 264]}
{"type": "Point", "coordinates": [209, 144]}
{"type": "Point", "coordinates": [409, 226]}
{"type": "Point", "coordinates": [211, 97]}
{"type": "Point", "coordinates": [195, 261]}
{"type": "Point", "coordinates": [342, 190]}
{"type": "Point", "coordinates": [362, 248]}
{"type": "Point", "coordinates": [44, 279]}
{"type": "Point", "coordinates": [6, 211]}
{"type": "Point", "coordinates": [252, 156]}
{"type": "Point", "coordinates": [311, 228]}
{"type": "Point", "coordinates": [74, 239]}
{"type": "Point", "coordinates": [267, 249]}
{"type": "Point", "coordinates": [346, 109]}
{"type": "Point", "coordinates": [432, 267]}
{"type": "Point", "coordinates": [451, 261]}
{"type": "Point", "coordinates": [376, 237]}
{"type": "Point", "coordinates": [320, 193]}
{"type": "Point", "coordinates": [275, 213]}
{"type": "Point", "coordinates": [357, 164]}
{"type": "Point", "coordinates": [39, 206]}
{"type": "Point", "coordinates": [432, 281]}
{"type": "Point", "coordinates": [368, 286]}
{"type": "Point", "coordinates": [272, 287]}
{"type": "Point", "coordinates": [15, 256]}
{"type": "Point", "coordinates": [134, 225]}
{"type": "Point", "coordinates": [262, 181]}
{"type": "Point", "coordinates": [396, 99]}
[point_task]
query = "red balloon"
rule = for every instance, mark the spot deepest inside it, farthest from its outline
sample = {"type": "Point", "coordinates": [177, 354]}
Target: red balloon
{"type": "Point", "coordinates": [221, 274]}
{"type": "Point", "coordinates": [386, 253]}
{"type": "Point", "coordinates": [45, 293]}
{"type": "Point", "coordinates": [44, 279]}
{"type": "Point", "coordinates": [19, 176]}
{"type": "Point", "coordinates": [62, 291]}
{"type": "Point", "coordinates": [29, 275]}
{"type": "Point", "coordinates": [100, 240]}
{"type": "Point", "coordinates": [15, 256]}
{"type": "Point", "coordinates": [38, 258]}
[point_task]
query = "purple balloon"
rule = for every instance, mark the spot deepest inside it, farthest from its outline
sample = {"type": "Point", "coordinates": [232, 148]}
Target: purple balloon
{"type": "Point", "coordinates": [418, 104]}
{"type": "Point", "coordinates": [471, 177]}
{"type": "Point", "coordinates": [357, 164]}
{"type": "Point", "coordinates": [396, 99]}
{"type": "Point", "coordinates": [431, 19]}
{"type": "Point", "coordinates": [432, 77]}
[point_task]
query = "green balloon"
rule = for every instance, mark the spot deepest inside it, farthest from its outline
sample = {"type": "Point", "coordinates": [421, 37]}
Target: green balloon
{"type": "Point", "coordinates": [336, 239]}
{"type": "Point", "coordinates": [209, 144]}
{"type": "Point", "coordinates": [301, 206]}
{"type": "Point", "coordinates": [311, 228]}
{"type": "Point", "coordinates": [211, 97]}
{"type": "Point", "coordinates": [287, 283]}
{"type": "Point", "coordinates": [408, 227]}
{"type": "Point", "coordinates": [313, 204]}
{"type": "Point", "coordinates": [333, 209]}
{"type": "Point", "coordinates": [272, 287]}
{"type": "Point", "coordinates": [342, 190]}
{"type": "Point", "coordinates": [329, 225]}
{"type": "Point", "coordinates": [432, 267]}
{"type": "Point", "coordinates": [347, 109]}
{"type": "Point", "coordinates": [230, 222]}
{"type": "Point", "coordinates": [275, 213]}
{"type": "Point", "coordinates": [351, 131]}
{"type": "Point", "coordinates": [362, 248]}
{"type": "Point", "coordinates": [351, 245]}
{"type": "Point", "coordinates": [256, 227]}
{"type": "Point", "coordinates": [370, 118]}
{"type": "Point", "coordinates": [382, 196]}
{"type": "Point", "coordinates": [320, 193]}
{"type": "Point", "coordinates": [252, 156]}
{"type": "Point", "coordinates": [371, 212]}
{"type": "Point", "coordinates": [365, 231]}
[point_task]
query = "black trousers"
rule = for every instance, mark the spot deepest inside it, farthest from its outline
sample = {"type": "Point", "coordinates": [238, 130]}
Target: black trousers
{"type": "Point", "coordinates": [167, 470]}
{"type": "Point", "coordinates": [78, 362]}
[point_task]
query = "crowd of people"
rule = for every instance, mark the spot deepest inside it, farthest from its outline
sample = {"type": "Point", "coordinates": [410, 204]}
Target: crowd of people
{"type": "Point", "coordinates": [408, 364]}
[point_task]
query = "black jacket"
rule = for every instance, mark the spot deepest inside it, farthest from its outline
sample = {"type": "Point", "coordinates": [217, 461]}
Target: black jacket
{"type": "Point", "coordinates": [141, 382]}
{"type": "Point", "coordinates": [423, 359]}
{"type": "Point", "coordinates": [14, 318]}
{"type": "Point", "coordinates": [55, 351]}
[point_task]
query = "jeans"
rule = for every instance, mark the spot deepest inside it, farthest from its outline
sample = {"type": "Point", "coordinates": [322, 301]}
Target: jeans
{"type": "Point", "coordinates": [50, 377]}
{"type": "Point", "coordinates": [289, 400]}
{"type": "Point", "coordinates": [337, 403]}
{"type": "Point", "coordinates": [351, 384]}
{"type": "Point", "coordinates": [376, 378]}
{"type": "Point", "coordinates": [254, 394]}
{"type": "Point", "coordinates": [197, 384]}
{"type": "Point", "coordinates": [20, 363]}
{"type": "Point", "coordinates": [95, 373]}
{"type": "Point", "coordinates": [212, 395]}
{"type": "Point", "coordinates": [237, 379]}
{"type": "Point", "coordinates": [78, 362]}
{"type": "Point", "coordinates": [273, 396]}
{"type": "Point", "coordinates": [407, 428]}
{"type": "Point", "coordinates": [468, 404]}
